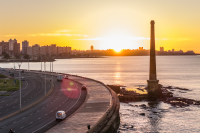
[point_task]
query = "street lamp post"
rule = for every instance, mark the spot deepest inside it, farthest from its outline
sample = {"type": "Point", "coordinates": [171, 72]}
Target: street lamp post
{"type": "Point", "coordinates": [28, 64]}
{"type": "Point", "coordinates": [50, 66]}
{"type": "Point", "coordinates": [41, 65]}
{"type": "Point", "coordinates": [52, 71]}
{"type": "Point", "coordinates": [20, 102]}
{"type": "Point", "coordinates": [45, 78]}
{"type": "Point", "coordinates": [14, 65]}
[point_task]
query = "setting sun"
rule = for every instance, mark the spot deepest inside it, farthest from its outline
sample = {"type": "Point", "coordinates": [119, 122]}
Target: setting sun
{"type": "Point", "coordinates": [118, 42]}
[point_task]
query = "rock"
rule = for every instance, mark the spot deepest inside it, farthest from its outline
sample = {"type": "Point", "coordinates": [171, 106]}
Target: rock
{"type": "Point", "coordinates": [143, 105]}
{"type": "Point", "coordinates": [142, 114]}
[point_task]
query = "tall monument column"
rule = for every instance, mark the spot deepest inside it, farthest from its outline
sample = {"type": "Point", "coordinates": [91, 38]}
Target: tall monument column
{"type": "Point", "coordinates": [153, 89]}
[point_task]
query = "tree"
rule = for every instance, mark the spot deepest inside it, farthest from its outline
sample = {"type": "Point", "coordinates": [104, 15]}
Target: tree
{"type": "Point", "coordinates": [17, 56]}
{"type": "Point", "coordinates": [6, 56]}
{"type": "Point", "coordinates": [26, 56]}
{"type": "Point", "coordinates": [4, 53]}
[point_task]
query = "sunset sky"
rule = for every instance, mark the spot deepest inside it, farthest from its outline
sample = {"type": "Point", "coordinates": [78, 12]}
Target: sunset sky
{"type": "Point", "coordinates": [105, 24]}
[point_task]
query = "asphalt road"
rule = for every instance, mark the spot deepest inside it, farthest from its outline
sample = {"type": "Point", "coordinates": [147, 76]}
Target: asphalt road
{"type": "Point", "coordinates": [66, 96]}
{"type": "Point", "coordinates": [32, 90]}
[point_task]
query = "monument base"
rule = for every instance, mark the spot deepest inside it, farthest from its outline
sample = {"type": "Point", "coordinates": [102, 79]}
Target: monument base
{"type": "Point", "coordinates": [153, 89]}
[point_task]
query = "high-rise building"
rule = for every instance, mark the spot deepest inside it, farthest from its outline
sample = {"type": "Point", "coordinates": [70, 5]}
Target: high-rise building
{"type": "Point", "coordinates": [30, 51]}
{"type": "Point", "coordinates": [16, 48]}
{"type": "Point", "coordinates": [69, 49]}
{"type": "Point", "coordinates": [43, 50]}
{"type": "Point", "coordinates": [5, 46]}
{"type": "Point", "coordinates": [36, 49]}
{"type": "Point", "coordinates": [0, 50]}
{"type": "Point", "coordinates": [172, 50]}
{"type": "Point", "coordinates": [25, 45]}
{"type": "Point", "coordinates": [161, 49]}
{"type": "Point", "coordinates": [60, 50]}
{"type": "Point", "coordinates": [11, 44]}
{"type": "Point", "coordinates": [54, 49]}
{"type": "Point", "coordinates": [49, 50]}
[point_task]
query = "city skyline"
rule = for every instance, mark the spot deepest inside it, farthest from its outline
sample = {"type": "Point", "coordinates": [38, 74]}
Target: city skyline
{"type": "Point", "coordinates": [120, 25]}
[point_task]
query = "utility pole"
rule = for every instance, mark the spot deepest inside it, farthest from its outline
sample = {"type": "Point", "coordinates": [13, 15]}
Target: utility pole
{"type": "Point", "coordinates": [52, 71]}
{"type": "Point", "coordinates": [14, 65]}
{"type": "Point", "coordinates": [45, 78]}
{"type": "Point", "coordinates": [41, 66]}
{"type": "Point", "coordinates": [50, 67]}
{"type": "Point", "coordinates": [20, 102]}
{"type": "Point", "coordinates": [28, 64]}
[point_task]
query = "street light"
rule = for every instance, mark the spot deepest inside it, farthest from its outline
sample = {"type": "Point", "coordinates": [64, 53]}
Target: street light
{"type": "Point", "coordinates": [50, 65]}
{"type": "Point", "coordinates": [52, 70]}
{"type": "Point", "coordinates": [14, 65]}
{"type": "Point", "coordinates": [28, 64]}
{"type": "Point", "coordinates": [45, 78]}
{"type": "Point", "coordinates": [20, 102]}
{"type": "Point", "coordinates": [41, 65]}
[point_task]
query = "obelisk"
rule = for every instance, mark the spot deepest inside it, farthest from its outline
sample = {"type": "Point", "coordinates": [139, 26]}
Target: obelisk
{"type": "Point", "coordinates": [153, 89]}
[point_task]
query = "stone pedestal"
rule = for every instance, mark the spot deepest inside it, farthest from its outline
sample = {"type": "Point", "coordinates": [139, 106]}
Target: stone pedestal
{"type": "Point", "coordinates": [153, 88]}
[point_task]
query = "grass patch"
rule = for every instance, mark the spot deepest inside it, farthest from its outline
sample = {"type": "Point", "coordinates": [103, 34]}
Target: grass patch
{"type": "Point", "coordinates": [5, 95]}
{"type": "Point", "coordinates": [2, 76]}
{"type": "Point", "coordinates": [9, 86]}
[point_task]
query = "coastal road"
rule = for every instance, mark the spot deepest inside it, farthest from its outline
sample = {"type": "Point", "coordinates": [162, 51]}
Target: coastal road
{"type": "Point", "coordinates": [66, 96]}
{"type": "Point", "coordinates": [32, 90]}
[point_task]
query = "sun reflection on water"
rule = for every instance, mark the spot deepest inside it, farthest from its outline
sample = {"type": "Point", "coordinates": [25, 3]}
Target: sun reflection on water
{"type": "Point", "coordinates": [117, 78]}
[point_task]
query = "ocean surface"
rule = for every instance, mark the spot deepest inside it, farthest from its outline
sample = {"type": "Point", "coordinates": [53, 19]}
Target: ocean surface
{"type": "Point", "coordinates": [132, 71]}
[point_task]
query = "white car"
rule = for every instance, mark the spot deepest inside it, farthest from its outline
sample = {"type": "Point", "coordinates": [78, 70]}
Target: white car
{"type": "Point", "coordinates": [66, 77]}
{"type": "Point", "coordinates": [60, 115]}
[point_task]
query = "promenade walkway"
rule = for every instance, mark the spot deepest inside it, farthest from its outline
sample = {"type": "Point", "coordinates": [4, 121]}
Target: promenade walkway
{"type": "Point", "coordinates": [97, 103]}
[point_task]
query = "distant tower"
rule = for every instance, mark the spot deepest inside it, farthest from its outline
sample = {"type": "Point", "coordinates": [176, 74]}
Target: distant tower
{"type": "Point", "coordinates": [152, 82]}
{"type": "Point", "coordinates": [92, 48]}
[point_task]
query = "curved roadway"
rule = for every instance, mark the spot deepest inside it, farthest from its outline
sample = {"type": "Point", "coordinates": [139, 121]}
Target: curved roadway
{"type": "Point", "coordinates": [66, 96]}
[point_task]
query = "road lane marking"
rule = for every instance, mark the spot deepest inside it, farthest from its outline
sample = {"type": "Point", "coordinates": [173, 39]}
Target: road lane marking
{"type": "Point", "coordinates": [43, 126]}
{"type": "Point", "coordinates": [26, 84]}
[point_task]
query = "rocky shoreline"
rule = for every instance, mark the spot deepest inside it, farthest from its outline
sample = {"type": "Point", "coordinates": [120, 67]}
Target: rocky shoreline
{"type": "Point", "coordinates": [166, 96]}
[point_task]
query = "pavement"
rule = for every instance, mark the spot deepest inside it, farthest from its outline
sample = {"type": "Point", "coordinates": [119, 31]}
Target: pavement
{"type": "Point", "coordinates": [97, 103]}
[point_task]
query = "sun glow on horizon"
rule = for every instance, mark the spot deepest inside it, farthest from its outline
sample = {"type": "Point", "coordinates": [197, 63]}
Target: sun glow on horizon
{"type": "Point", "coordinates": [118, 42]}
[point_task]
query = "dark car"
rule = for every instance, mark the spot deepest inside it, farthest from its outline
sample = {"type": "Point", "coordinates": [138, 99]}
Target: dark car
{"type": "Point", "coordinates": [12, 74]}
{"type": "Point", "coordinates": [22, 78]}
{"type": "Point", "coordinates": [66, 77]}
{"type": "Point", "coordinates": [83, 87]}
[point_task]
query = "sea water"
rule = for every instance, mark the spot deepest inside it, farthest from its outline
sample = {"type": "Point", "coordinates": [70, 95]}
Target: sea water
{"type": "Point", "coordinates": [133, 71]}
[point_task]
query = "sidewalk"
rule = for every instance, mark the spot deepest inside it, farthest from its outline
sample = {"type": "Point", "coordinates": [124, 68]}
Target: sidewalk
{"type": "Point", "coordinates": [97, 103]}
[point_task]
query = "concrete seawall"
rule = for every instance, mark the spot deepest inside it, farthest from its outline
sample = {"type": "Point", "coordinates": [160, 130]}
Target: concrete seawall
{"type": "Point", "coordinates": [100, 110]}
